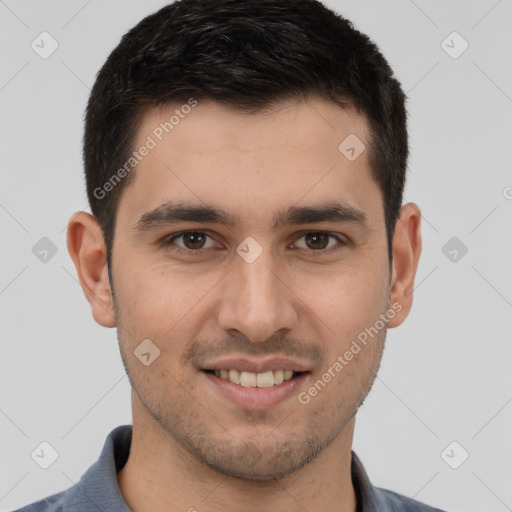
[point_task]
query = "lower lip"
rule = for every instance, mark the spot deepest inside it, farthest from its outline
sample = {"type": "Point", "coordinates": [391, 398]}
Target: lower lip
{"type": "Point", "coordinates": [257, 397]}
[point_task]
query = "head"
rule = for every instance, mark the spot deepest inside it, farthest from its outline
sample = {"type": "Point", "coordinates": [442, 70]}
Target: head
{"type": "Point", "coordinates": [269, 119]}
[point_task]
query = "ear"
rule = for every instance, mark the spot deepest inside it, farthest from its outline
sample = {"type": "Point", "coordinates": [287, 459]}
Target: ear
{"type": "Point", "coordinates": [87, 249]}
{"type": "Point", "coordinates": [406, 253]}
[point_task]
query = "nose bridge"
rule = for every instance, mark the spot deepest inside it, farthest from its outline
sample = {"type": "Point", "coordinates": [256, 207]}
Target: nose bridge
{"type": "Point", "coordinates": [256, 302]}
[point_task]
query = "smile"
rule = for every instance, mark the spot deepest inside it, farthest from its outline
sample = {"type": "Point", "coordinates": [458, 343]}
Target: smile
{"type": "Point", "coordinates": [255, 390]}
{"type": "Point", "coordinates": [255, 380]}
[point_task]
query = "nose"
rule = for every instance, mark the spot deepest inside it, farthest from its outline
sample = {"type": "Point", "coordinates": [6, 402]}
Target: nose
{"type": "Point", "coordinates": [257, 301]}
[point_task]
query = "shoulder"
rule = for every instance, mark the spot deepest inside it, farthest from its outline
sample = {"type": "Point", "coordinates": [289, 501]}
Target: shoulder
{"type": "Point", "coordinates": [398, 503]}
{"type": "Point", "coordinates": [98, 489]}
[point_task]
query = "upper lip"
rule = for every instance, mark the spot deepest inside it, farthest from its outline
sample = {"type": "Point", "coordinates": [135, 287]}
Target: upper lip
{"type": "Point", "coordinates": [248, 365]}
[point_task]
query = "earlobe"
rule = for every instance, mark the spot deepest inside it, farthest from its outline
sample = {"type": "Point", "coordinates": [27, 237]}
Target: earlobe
{"type": "Point", "coordinates": [406, 254]}
{"type": "Point", "coordinates": [86, 247]}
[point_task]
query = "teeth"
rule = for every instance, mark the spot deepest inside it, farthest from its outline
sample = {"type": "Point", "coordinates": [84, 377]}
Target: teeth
{"type": "Point", "coordinates": [234, 376]}
{"type": "Point", "coordinates": [278, 377]}
{"type": "Point", "coordinates": [264, 380]}
{"type": "Point", "coordinates": [253, 380]}
{"type": "Point", "coordinates": [248, 379]}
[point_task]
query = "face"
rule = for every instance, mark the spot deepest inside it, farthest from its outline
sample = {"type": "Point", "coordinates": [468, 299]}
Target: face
{"type": "Point", "coordinates": [268, 288]}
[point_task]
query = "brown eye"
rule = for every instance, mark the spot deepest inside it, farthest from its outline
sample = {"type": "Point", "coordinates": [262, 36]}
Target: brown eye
{"type": "Point", "coordinates": [193, 240]}
{"type": "Point", "coordinates": [318, 241]}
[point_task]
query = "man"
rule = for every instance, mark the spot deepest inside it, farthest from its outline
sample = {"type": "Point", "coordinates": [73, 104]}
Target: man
{"type": "Point", "coordinates": [245, 163]}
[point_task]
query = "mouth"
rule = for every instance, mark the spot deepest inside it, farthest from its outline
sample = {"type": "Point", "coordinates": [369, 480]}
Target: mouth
{"type": "Point", "coordinates": [253, 390]}
{"type": "Point", "coordinates": [248, 379]}
{"type": "Point", "coordinates": [254, 383]}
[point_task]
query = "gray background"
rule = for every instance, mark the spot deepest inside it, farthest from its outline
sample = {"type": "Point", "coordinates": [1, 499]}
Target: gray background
{"type": "Point", "coordinates": [446, 373]}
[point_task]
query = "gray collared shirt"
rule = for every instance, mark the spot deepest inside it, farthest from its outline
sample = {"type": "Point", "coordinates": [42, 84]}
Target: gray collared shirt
{"type": "Point", "coordinates": [98, 489]}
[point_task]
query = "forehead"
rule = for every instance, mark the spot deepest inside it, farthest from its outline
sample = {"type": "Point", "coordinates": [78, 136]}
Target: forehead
{"type": "Point", "coordinates": [252, 162]}
{"type": "Point", "coordinates": [313, 125]}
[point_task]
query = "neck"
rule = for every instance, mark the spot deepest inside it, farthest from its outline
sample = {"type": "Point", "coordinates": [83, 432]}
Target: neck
{"type": "Point", "coordinates": [160, 475]}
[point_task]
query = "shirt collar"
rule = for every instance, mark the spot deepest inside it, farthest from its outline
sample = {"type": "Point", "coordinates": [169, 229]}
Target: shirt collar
{"type": "Point", "coordinates": [99, 488]}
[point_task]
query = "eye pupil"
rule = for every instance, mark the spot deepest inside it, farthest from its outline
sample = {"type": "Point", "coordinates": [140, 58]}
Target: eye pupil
{"type": "Point", "coordinates": [193, 238]}
{"type": "Point", "coordinates": [314, 237]}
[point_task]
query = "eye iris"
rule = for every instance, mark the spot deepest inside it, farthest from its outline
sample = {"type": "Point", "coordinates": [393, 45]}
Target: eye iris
{"type": "Point", "coordinates": [194, 238]}
{"type": "Point", "coordinates": [315, 237]}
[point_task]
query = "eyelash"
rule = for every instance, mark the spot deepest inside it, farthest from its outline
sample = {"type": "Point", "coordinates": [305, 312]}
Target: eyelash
{"type": "Point", "coordinates": [190, 252]}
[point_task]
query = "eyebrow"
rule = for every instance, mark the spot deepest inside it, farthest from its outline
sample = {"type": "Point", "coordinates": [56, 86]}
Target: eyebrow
{"type": "Point", "coordinates": [175, 212]}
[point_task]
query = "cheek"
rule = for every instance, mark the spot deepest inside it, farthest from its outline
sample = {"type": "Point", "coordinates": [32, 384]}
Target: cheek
{"type": "Point", "coordinates": [345, 299]}
{"type": "Point", "coordinates": [154, 299]}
